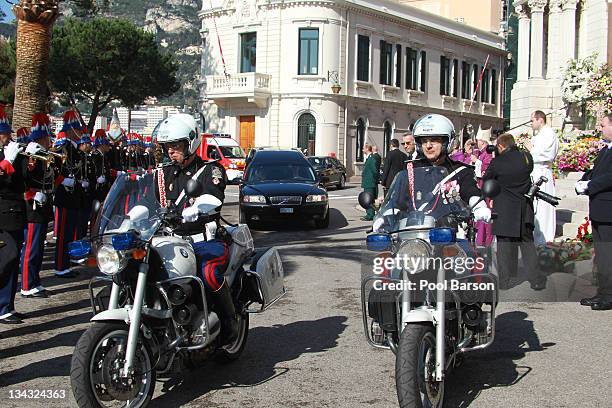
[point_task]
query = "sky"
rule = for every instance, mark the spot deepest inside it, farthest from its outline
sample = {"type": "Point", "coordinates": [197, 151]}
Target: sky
{"type": "Point", "coordinates": [7, 8]}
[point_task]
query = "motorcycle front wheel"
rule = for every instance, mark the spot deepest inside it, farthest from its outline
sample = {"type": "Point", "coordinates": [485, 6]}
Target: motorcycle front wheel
{"type": "Point", "coordinates": [96, 363]}
{"type": "Point", "coordinates": [415, 368]}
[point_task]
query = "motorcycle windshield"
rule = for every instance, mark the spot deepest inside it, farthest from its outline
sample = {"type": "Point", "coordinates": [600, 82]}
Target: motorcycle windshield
{"type": "Point", "coordinates": [131, 205]}
{"type": "Point", "coordinates": [423, 198]}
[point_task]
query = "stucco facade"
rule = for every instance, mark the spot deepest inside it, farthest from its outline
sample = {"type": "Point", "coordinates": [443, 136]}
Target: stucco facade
{"type": "Point", "coordinates": [277, 95]}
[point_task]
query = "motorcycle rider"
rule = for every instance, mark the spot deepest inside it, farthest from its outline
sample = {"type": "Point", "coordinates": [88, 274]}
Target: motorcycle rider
{"type": "Point", "coordinates": [179, 138]}
{"type": "Point", "coordinates": [433, 135]}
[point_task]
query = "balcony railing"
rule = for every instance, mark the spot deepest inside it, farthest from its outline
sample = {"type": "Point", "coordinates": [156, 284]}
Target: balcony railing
{"type": "Point", "coordinates": [253, 86]}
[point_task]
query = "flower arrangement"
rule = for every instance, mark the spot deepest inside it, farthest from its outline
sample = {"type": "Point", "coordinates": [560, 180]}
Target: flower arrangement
{"type": "Point", "coordinates": [600, 90]}
{"type": "Point", "coordinates": [521, 141]}
{"type": "Point", "coordinates": [576, 78]}
{"type": "Point", "coordinates": [584, 235]}
{"type": "Point", "coordinates": [578, 153]}
{"type": "Point", "coordinates": [555, 256]}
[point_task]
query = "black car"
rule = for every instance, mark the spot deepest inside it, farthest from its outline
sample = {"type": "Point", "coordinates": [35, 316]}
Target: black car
{"type": "Point", "coordinates": [281, 185]}
{"type": "Point", "coordinates": [331, 172]}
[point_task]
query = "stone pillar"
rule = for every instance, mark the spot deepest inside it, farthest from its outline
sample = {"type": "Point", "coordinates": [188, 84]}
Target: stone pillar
{"type": "Point", "coordinates": [523, 43]}
{"type": "Point", "coordinates": [537, 38]}
{"type": "Point", "coordinates": [568, 19]}
{"type": "Point", "coordinates": [556, 36]}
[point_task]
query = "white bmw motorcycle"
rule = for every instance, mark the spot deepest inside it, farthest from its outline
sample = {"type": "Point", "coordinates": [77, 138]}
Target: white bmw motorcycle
{"type": "Point", "coordinates": [153, 316]}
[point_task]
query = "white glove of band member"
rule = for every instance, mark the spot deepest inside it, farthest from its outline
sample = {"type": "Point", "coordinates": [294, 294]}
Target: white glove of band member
{"type": "Point", "coordinates": [85, 184]}
{"type": "Point", "coordinates": [11, 151]}
{"type": "Point", "coordinates": [481, 211]}
{"type": "Point", "coordinates": [378, 223]}
{"type": "Point", "coordinates": [101, 180]}
{"type": "Point", "coordinates": [68, 182]}
{"type": "Point", "coordinates": [581, 187]}
{"type": "Point", "coordinates": [190, 214]}
{"type": "Point", "coordinates": [40, 198]}
{"type": "Point", "coordinates": [33, 148]}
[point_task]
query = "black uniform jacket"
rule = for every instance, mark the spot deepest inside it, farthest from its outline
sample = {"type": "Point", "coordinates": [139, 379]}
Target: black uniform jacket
{"type": "Point", "coordinates": [512, 170]}
{"type": "Point", "coordinates": [394, 163]}
{"type": "Point", "coordinates": [213, 180]}
{"type": "Point", "coordinates": [466, 178]}
{"type": "Point", "coordinates": [40, 178]}
{"type": "Point", "coordinates": [600, 187]}
{"type": "Point", "coordinates": [12, 189]}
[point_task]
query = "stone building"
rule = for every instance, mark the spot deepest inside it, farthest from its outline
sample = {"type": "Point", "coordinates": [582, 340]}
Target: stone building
{"type": "Point", "coordinates": [329, 76]}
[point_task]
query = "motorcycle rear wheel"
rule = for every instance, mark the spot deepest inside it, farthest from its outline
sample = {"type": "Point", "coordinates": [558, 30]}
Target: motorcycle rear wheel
{"type": "Point", "coordinates": [98, 350]}
{"type": "Point", "coordinates": [231, 352]}
{"type": "Point", "coordinates": [415, 368]}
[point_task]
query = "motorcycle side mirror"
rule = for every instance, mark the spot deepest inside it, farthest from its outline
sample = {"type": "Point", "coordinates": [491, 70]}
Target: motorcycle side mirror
{"type": "Point", "coordinates": [193, 188]}
{"type": "Point", "coordinates": [490, 188]}
{"type": "Point", "coordinates": [365, 199]}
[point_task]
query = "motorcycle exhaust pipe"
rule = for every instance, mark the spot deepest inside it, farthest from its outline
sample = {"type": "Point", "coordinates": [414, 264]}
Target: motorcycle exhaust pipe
{"type": "Point", "coordinates": [179, 293]}
{"type": "Point", "coordinates": [183, 315]}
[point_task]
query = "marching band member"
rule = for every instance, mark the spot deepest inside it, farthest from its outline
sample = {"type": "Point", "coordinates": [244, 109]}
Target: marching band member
{"type": "Point", "coordinates": [12, 219]}
{"type": "Point", "coordinates": [87, 181]}
{"type": "Point", "coordinates": [39, 209]}
{"type": "Point", "coordinates": [149, 153]}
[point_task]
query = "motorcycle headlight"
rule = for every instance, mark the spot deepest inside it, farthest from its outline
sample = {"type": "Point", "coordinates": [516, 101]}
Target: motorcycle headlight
{"type": "Point", "coordinates": [414, 254]}
{"type": "Point", "coordinates": [316, 198]}
{"type": "Point", "coordinates": [109, 261]}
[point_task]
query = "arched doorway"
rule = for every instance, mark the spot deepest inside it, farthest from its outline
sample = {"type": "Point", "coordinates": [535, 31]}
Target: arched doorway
{"type": "Point", "coordinates": [360, 140]}
{"type": "Point", "coordinates": [388, 134]}
{"type": "Point", "coordinates": [307, 133]}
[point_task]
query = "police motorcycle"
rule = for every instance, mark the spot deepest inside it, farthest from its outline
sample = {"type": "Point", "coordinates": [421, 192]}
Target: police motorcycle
{"type": "Point", "coordinates": [429, 296]}
{"type": "Point", "coordinates": [152, 316]}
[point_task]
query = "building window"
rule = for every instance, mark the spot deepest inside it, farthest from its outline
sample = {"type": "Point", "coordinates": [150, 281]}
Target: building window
{"type": "Point", "coordinates": [493, 87]}
{"type": "Point", "coordinates": [412, 70]}
{"type": "Point", "coordinates": [445, 79]}
{"type": "Point", "coordinates": [307, 132]}
{"type": "Point", "coordinates": [475, 76]}
{"type": "Point", "coordinates": [388, 134]}
{"type": "Point", "coordinates": [248, 51]}
{"type": "Point", "coordinates": [484, 93]}
{"type": "Point", "coordinates": [386, 62]}
{"type": "Point", "coordinates": [455, 78]}
{"type": "Point", "coordinates": [309, 51]}
{"type": "Point", "coordinates": [423, 68]}
{"type": "Point", "coordinates": [363, 58]}
{"type": "Point", "coordinates": [360, 140]}
{"type": "Point", "coordinates": [398, 65]}
{"type": "Point", "coordinates": [465, 80]}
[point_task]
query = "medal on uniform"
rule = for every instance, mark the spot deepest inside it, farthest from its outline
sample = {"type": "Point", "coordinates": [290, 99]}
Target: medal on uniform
{"type": "Point", "coordinates": [170, 187]}
{"type": "Point", "coordinates": [418, 195]}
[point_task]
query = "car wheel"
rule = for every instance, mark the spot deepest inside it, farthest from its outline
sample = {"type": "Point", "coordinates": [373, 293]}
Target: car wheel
{"type": "Point", "coordinates": [342, 182]}
{"type": "Point", "coordinates": [324, 223]}
{"type": "Point", "coordinates": [241, 217]}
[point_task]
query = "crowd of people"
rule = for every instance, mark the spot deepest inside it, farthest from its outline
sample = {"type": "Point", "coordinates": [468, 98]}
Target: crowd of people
{"type": "Point", "coordinates": [48, 178]}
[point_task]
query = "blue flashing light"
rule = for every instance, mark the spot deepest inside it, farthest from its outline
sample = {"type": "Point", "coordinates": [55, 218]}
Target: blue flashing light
{"type": "Point", "coordinates": [440, 236]}
{"type": "Point", "coordinates": [124, 241]}
{"type": "Point", "coordinates": [79, 249]}
{"type": "Point", "coordinates": [378, 242]}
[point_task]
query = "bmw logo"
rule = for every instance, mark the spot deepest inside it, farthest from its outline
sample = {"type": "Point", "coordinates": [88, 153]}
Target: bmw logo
{"type": "Point", "coordinates": [183, 252]}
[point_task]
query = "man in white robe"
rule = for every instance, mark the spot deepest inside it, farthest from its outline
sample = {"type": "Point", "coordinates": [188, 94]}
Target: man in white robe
{"type": "Point", "coordinates": [543, 147]}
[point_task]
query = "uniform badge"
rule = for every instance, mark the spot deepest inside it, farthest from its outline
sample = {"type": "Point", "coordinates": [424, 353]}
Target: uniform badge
{"type": "Point", "coordinates": [216, 175]}
{"type": "Point", "coordinates": [419, 195]}
{"type": "Point", "coordinates": [170, 187]}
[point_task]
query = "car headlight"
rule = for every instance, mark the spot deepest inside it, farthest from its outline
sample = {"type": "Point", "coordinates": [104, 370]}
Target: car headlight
{"type": "Point", "coordinates": [316, 198]}
{"type": "Point", "coordinates": [254, 199]}
{"type": "Point", "coordinates": [109, 260]}
{"type": "Point", "coordinates": [414, 254]}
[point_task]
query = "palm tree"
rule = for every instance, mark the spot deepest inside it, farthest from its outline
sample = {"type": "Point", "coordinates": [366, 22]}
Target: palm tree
{"type": "Point", "coordinates": [35, 20]}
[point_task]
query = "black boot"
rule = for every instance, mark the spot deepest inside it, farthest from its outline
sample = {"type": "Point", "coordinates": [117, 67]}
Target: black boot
{"type": "Point", "coordinates": [224, 305]}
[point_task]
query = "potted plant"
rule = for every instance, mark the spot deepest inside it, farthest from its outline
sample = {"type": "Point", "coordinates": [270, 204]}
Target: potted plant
{"type": "Point", "coordinates": [336, 88]}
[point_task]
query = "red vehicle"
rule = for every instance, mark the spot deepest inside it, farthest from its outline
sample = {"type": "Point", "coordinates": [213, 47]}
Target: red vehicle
{"type": "Point", "coordinates": [221, 147]}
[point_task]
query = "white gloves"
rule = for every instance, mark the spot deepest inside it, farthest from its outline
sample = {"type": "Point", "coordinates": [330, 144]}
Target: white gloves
{"type": "Point", "coordinates": [68, 182]}
{"type": "Point", "coordinates": [11, 151]}
{"type": "Point", "coordinates": [582, 187]}
{"type": "Point", "coordinates": [33, 148]}
{"type": "Point", "coordinates": [40, 198]}
{"type": "Point", "coordinates": [481, 211]}
{"type": "Point", "coordinates": [120, 173]}
{"type": "Point", "coordinates": [190, 214]}
{"type": "Point", "coordinates": [378, 223]}
{"type": "Point", "coordinates": [101, 180]}
{"type": "Point", "coordinates": [85, 184]}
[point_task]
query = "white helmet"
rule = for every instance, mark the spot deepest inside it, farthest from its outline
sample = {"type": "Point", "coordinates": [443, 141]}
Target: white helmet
{"type": "Point", "coordinates": [434, 125]}
{"type": "Point", "coordinates": [177, 128]}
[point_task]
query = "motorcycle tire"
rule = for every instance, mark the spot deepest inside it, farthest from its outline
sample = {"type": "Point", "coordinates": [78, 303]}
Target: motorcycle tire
{"type": "Point", "coordinates": [232, 352]}
{"type": "Point", "coordinates": [80, 374]}
{"type": "Point", "coordinates": [416, 349]}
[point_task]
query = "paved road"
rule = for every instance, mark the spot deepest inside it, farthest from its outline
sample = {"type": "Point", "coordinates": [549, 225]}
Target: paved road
{"type": "Point", "coordinates": [309, 350]}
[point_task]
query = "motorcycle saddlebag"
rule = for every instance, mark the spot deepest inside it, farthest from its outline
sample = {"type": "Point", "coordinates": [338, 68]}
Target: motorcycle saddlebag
{"type": "Point", "coordinates": [267, 275]}
{"type": "Point", "coordinates": [381, 308]}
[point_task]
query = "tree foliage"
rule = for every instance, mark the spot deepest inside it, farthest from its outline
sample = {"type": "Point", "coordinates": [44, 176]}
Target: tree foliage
{"type": "Point", "coordinates": [89, 8]}
{"type": "Point", "coordinates": [109, 59]}
{"type": "Point", "coordinates": [7, 71]}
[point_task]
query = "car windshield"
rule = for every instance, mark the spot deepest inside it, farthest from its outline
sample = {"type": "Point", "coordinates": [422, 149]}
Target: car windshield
{"type": "Point", "coordinates": [276, 172]}
{"type": "Point", "coordinates": [232, 152]}
{"type": "Point", "coordinates": [131, 205]}
{"type": "Point", "coordinates": [425, 202]}
{"type": "Point", "coordinates": [317, 162]}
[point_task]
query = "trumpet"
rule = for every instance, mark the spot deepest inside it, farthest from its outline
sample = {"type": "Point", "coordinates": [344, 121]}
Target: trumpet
{"type": "Point", "coordinates": [46, 156]}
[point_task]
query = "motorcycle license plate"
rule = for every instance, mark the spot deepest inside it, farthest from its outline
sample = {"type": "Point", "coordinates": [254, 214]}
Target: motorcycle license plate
{"type": "Point", "coordinates": [286, 210]}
